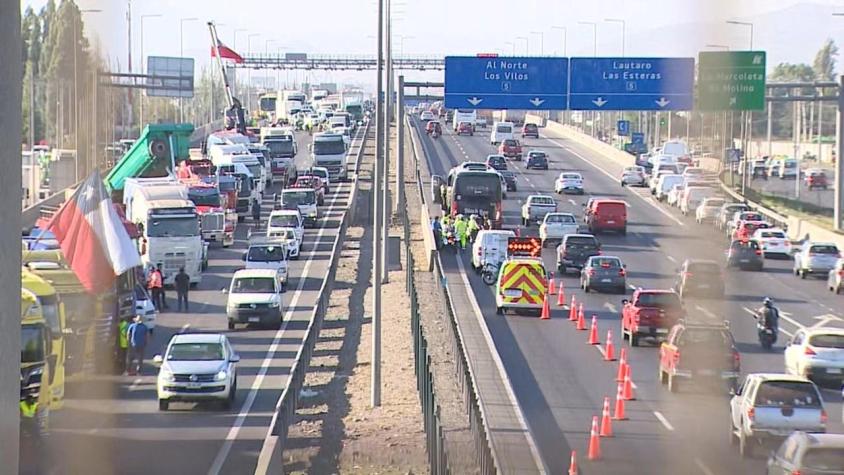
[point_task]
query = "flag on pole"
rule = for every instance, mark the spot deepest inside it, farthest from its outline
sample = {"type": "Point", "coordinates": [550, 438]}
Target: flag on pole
{"type": "Point", "coordinates": [226, 53]}
{"type": "Point", "coordinates": [92, 236]}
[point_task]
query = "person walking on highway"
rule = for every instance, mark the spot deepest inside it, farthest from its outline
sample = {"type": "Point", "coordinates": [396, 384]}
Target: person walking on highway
{"type": "Point", "coordinates": [182, 286]}
{"type": "Point", "coordinates": [461, 228]}
{"type": "Point", "coordinates": [137, 335]}
{"type": "Point", "coordinates": [122, 344]}
{"type": "Point", "coordinates": [155, 284]}
{"type": "Point", "coordinates": [437, 228]}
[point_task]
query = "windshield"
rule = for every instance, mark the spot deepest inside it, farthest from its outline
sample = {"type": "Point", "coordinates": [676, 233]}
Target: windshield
{"type": "Point", "coordinates": [32, 344]}
{"type": "Point", "coordinates": [255, 169]}
{"type": "Point", "coordinates": [605, 262]}
{"type": "Point", "coordinates": [706, 339]}
{"type": "Point", "coordinates": [497, 162]}
{"type": "Point", "coordinates": [266, 254]}
{"type": "Point", "coordinates": [279, 146]}
{"type": "Point", "coordinates": [195, 352]}
{"type": "Point", "coordinates": [571, 176]}
{"type": "Point", "coordinates": [245, 187]}
{"type": "Point", "coordinates": [253, 285]}
{"type": "Point", "coordinates": [329, 147]}
{"type": "Point", "coordinates": [667, 299]}
{"type": "Point", "coordinates": [140, 293]}
{"type": "Point", "coordinates": [160, 226]}
{"type": "Point", "coordinates": [267, 104]}
{"type": "Point", "coordinates": [787, 393]}
{"type": "Point", "coordinates": [827, 341]}
{"type": "Point", "coordinates": [504, 129]}
{"type": "Point", "coordinates": [205, 197]}
{"type": "Point", "coordinates": [486, 185]}
{"type": "Point", "coordinates": [50, 310]}
{"type": "Point", "coordinates": [581, 242]}
{"type": "Point", "coordinates": [284, 221]}
{"type": "Point", "coordinates": [304, 197]}
{"type": "Point", "coordinates": [541, 200]}
{"type": "Point", "coordinates": [773, 234]}
{"type": "Point", "coordinates": [823, 459]}
{"type": "Point", "coordinates": [511, 143]}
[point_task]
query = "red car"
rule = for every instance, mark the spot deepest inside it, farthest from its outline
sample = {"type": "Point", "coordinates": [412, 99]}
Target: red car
{"type": "Point", "coordinates": [816, 179]}
{"type": "Point", "coordinates": [606, 215]}
{"type": "Point", "coordinates": [312, 181]}
{"type": "Point", "coordinates": [650, 313]}
{"type": "Point", "coordinates": [511, 148]}
{"type": "Point", "coordinates": [530, 130]}
{"type": "Point", "coordinates": [465, 128]}
{"type": "Point", "coordinates": [702, 353]}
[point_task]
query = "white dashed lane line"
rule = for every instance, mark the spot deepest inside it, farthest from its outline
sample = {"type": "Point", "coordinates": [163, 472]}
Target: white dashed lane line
{"type": "Point", "coordinates": [663, 420]}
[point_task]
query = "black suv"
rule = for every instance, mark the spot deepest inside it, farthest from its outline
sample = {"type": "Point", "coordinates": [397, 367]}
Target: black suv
{"type": "Point", "coordinates": [699, 277]}
{"type": "Point", "coordinates": [530, 130]}
{"type": "Point", "coordinates": [575, 249]}
{"type": "Point", "coordinates": [496, 162]}
{"type": "Point", "coordinates": [745, 254]}
{"type": "Point", "coordinates": [510, 179]}
{"type": "Point", "coordinates": [537, 160]}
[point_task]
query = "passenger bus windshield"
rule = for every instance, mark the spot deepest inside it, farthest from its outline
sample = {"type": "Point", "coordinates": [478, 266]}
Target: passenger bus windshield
{"type": "Point", "coordinates": [32, 343]}
{"type": "Point", "coordinates": [278, 147]}
{"type": "Point", "coordinates": [477, 186]}
{"type": "Point", "coordinates": [267, 104]}
{"type": "Point", "coordinates": [160, 226]}
{"type": "Point", "coordinates": [329, 147]}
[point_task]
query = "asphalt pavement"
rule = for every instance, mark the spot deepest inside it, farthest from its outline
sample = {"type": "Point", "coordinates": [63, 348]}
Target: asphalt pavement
{"type": "Point", "coordinates": [561, 382]}
{"type": "Point", "coordinates": [113, 425]}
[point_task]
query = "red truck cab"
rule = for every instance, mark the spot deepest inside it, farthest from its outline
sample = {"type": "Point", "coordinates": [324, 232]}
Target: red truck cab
{"type": "Point", "coordinates": [650, 313]}
{"type": "Point", "coordinates": [700, 353]}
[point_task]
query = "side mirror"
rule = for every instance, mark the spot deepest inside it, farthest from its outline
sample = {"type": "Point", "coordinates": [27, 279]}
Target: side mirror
{"type": "Point", "coordinates": [234, 358]}
{"type": "Point", "coordinates": [157, 360]}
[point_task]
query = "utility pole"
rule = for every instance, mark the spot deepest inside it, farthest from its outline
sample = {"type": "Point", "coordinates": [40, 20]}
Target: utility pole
{"type": "Point", "coordinates": [375, 390]}
{"type": "Point", "coordinates": [400, 207]}
{"type": "Point", "coordinates": [388, 102]}
{"type": "Point", "coordinates": [10, 186]}
{"type": "Point", "coordinates": [838, 222]}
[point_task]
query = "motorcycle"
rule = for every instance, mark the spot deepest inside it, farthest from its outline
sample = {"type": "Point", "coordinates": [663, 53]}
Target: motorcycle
{"type": "Point", "coordinates": [450, 240]}
{"type": "Point", "coordinates": [767, 336]}
{"type": "Point", "coordinates": [489, 273]}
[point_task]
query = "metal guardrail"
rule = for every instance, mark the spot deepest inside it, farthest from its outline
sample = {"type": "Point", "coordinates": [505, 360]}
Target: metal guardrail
{"type": "Point", "coordinates": [288, 402]}
{"type": "Point", "coordinates": [487, 461]}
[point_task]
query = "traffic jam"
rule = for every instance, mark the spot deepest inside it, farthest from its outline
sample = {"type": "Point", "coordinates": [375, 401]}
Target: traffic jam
{"type": "Point", "coordinates": [535, 248]}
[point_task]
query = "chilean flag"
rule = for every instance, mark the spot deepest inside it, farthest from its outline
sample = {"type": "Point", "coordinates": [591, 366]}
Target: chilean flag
{"type": "Point", "coordinates": [226, 53]}
{"type": "Point", "coordinates": [92, 236]}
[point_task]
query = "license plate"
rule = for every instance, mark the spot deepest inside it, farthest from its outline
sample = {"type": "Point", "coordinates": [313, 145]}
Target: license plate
{"type": "Point", "coordinates": [606, 280]}
{"type": "Point", "coordinates": [513, 293]}
{"type": "Point", "coordinates": [833, 370]}
{"type": "Point", "coordinates": [194, 385]}
{"type": "Point", "coordinates": [744, 260]}
{"type": "Point", "coordinates": [254, 319]}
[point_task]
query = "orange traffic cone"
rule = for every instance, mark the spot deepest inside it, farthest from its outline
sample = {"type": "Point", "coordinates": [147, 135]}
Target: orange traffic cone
{"type": "Point", "coordinates": [552, 289]}
{"type": "Point", "coordinates": [619, 404]}
{"type": "Point", "coordinates": [594, 452]}
{"type": "Point", "coordinates": [593, 332]}
{"type": "Point", "coordinates": [561, 296]}
{"type": "Point", "coordinates": [606, 422]}
{"type": "Point", "coordinates": [573, 463]}
{"type": "Point", "coordinates": [546, 310]}
{"type": "Point", "coordinates": [573, 309]}
{"type": "Point", "coordinates": [622, 366]}
{"type": "Point", "coordinates": [628, 386]}
{"type": "Point", "coordinates": [581, 321]}
{"type": "Point", "coordinates": [609, 350]}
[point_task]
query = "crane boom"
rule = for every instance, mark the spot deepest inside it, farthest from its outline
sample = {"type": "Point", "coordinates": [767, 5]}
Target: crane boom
{"type": "Point", "coordinates": [235, 116]}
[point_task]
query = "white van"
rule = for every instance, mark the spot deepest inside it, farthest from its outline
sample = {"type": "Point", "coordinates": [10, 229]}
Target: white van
{"type": "Point", "coordinates": [464, 115]}
{"type": "Point", "coordinates": [229, 154]}
{"type": "Point", "coordinates": [693, 196]}
{"type": "Point", "coordinates": [268, 255]}
{"type": "Point", "coordinates": [501, 131]}
{"type": "Point", "coordinates": [490, 247]}
{"type": "Point", "coordinates": [665, 183]}
{"type": "Point", "coordinates": [658, 171]}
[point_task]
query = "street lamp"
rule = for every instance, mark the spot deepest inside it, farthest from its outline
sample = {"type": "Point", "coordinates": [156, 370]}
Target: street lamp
{"type": "Point", "coordinates": [182, 55]}
{"type": "Point", "coordinates": [541, 41]}
{"type": "Point", "coordinates": [401, 43]}
{"type": "Point", "coordinates": [623, 32]}
{"type": "Point", "coordinates": [143, 67]}
{"type": "Point", "coordinates": [744, 23]}
{"type": "Point", "coordinates": [594, 34]}
{"type": "Point", "coordinates": [565, 38]}
{"type": "Point", "coordinates": [527, 45]}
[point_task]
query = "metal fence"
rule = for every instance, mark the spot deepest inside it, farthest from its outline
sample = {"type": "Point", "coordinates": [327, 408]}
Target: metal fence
{"type": "Point", "coordinates": [438, 456]}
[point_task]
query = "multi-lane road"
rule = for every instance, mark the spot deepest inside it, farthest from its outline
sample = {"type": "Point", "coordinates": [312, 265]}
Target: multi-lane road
{"type": "Point", "coordinates": [113, 425]}
{"type": "Point", "coordinates": [560, 382]}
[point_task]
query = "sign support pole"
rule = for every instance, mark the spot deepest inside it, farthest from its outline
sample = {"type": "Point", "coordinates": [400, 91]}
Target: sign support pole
{"type": "Point", "coordinates": [375, 383]}
{"type": "Point", "coordinates": [838, 221]}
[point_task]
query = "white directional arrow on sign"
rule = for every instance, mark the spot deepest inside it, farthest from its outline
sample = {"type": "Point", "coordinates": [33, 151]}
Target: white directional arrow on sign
{"type": "Point", "coordinates": [599, 102]}
{"type": "Point", "coordinates": [474, 101]}
{"type": "Point", "coordinates": [662, 102]}
{"type": "Point", "coordinates": [537, 101]}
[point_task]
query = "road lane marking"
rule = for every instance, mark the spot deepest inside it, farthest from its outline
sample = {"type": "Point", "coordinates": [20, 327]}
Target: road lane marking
{"type": "Point", "coordinates": [703, 468]}
{"type": "Point", "coordinates": [500, 366]}
{"type": "Point", "coordinates": [632, 287]}
{"type": "Point", "coordinates": [671, 258]}
{"type": "Point", "coordinates": [134, 386]}
{"type": "Point", "coordinates": [610, 307]}
{"type": "Point", "coordinates": [222, 455]}
{"type": "Point", "coordinates": [663, 420]}
{"type": "Point", "coordinates": [573, 203]}
{"type": "Point", "coordinates": [706, 312]}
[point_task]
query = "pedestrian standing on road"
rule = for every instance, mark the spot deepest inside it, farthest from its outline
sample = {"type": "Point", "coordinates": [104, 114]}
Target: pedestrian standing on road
{"type": "Point", "coordinates": [122, 344]}
{"type": "Point", "coordinates": [163, 292]}
{"type": "Point", "coordinates": [155, 284]}
{"type": "Point", "coordinates": [182, 286]}
{"type": "Point", "coordinates": [137, 336]}
{"type": "Point", "coordinates": [437, 228]}
{"type": "Point", "coordinates": [256, 211]}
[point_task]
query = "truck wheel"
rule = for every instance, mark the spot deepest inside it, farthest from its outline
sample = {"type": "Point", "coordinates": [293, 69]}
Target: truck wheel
{"type": "Point", "coordinates": [231, 325]}
{"type": "Point", "coordinates": [499, 310]}
{"type": "Point", "coordinates": [634, 341]}
{"type": "Point", "coordinates": [163, 404]}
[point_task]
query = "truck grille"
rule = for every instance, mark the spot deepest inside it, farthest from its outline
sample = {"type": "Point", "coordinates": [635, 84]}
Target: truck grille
{"type": "Point", "coordinates": [253, 306]}
{"type": "Point", "coordinates": [212, 222]}
{"type": "Point", "coordinates": [200, 378]}
{"type": "Point", "coordinates": [173, 261]}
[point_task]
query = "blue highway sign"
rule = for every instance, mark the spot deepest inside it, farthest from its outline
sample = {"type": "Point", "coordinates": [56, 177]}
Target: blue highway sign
{"type": "Point", "coordinates": [632, 84]}
{"type": "Point", "coordinates": [638, 138]}
{"type": "Point", "coordinates": [623, 127]}
{"type": "Point", "coordinates": [488, 82]}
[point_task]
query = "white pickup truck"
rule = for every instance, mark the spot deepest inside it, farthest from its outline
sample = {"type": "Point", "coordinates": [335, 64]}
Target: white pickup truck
{"type": "Point", "coordinates": [536, 207]}
{"type": "Point", "coordinates": [555, 226]}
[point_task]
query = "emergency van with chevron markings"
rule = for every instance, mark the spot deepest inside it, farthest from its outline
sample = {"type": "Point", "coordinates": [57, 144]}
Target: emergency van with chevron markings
{"type": "Point", "coordinates": [521, 280]}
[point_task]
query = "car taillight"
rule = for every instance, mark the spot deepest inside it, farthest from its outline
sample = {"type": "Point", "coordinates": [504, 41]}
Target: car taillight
{"type": "Point", "coordinates": [809, 351]}
{"type": "Point", "coordinates": [687, 274]}
{"type": "Point", "coordinates": [759, 252]}
{"type": "Point", "coordinates": [824, 416]}
{"type": "Point", "coordinates": [795, 472]}
{"type": "Point", "coordinates": [751, 414]}
{"type": "Point", "coordinates": [498, 211]}
{"type": "Point", "coordinates": [479, 252]}
{"type": "Point", "coordinates": [841, 273]}
{"type": "Point", "coordinates": [598, 253]}
{"type": "Point", "coordinates": [622, 272]}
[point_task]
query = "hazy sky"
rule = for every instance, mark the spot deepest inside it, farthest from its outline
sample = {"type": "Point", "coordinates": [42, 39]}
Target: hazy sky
{"type": "Point", "coordinates": [440, 27]}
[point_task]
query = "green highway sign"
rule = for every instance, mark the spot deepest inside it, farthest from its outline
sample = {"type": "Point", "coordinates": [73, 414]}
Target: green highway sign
{"type": "Point", "coordinates": [731, 80]}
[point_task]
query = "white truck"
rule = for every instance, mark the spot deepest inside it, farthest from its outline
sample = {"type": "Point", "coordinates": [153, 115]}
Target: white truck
{"type": "Point", "coordinates": [329, 151]}
{"type": "Point", "coordinates": [169, 224]}
{"type": "Point", "coordinates": [224, 154]}
{"type": "Point", "coordinates": [290, 104]}
{"type": "Point", "coordinates": [464, 115]}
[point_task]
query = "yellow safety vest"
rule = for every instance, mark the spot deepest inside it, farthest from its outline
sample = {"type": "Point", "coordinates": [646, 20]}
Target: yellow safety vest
{"type": "Point", "coordinates": [28, 410]}
{"type": "Point", "coordinates": [123, 328]}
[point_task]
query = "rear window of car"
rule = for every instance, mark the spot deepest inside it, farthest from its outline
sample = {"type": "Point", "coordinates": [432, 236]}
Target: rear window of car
{"type": "Point", "coordinates": [560, 218]}
{"type": "Point", "coordinates": [571, 176]}
{"type": "Point", "coordinates": [827, 341]}
{"type": "Point", "coordinates": [787, 393]}
{"type": "Point", "coordinates": [744, 244]}
{"type": "Point", "coordinates": [772, 234]}
{"type": "Point", "coordinates": [606, 207]}
{"type": "Point", "coordinates": [511, 143]}
{"type": "Point", "coordinates": [823, 459]}
{"type": "Point", "coordinates": [713, 203]}
{"type": "Point", "coordinates": [504, 129]}
{"type": "Point", "coordinates": [706, 338]}
{"type": "Point", "coordinates": [605, 262]}
{"type": "Point", "coordinates": [530, 127]}
{"type": "Point", "coordinates": [496, 162]}
{"type": "Point", "coordinates": [663, 299]}
{"type": "Point", "coordinates": [537, 155]}
{"type": "Point", "coordinates": [542, 200]}
{"type": "Point", "coordinates": [823, 250]}
{"type": "Point", "coordinates": [581, 242]}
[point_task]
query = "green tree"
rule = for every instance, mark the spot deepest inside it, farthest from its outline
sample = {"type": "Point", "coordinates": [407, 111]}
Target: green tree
{"type": "Point", "coordinates": [782, 113]}
{"type": "Point", "coordinates": [824, 64]}
{"type": "Point", "coordinates": [32, 40]}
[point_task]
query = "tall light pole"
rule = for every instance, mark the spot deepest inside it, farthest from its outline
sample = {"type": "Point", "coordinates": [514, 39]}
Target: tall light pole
{"type": "Point", "coordinates": [512, 47]}
{"type": "Point", "coordinates": [267, 54]}
{"type": "Point", "coordinates": [744, 23]}
{"type": "Point", "coordinates": [401, 43]}
{"type": "Point", "coordinates": [541, 41]}
{"type": "Point", "coordinates": [594, 53]}
{"type": "Point", "coordinates": [249, 72]}
{"type": "Point", "coordinates": [745, 115]}
{"type": "Point", "coordinates": [76, 86]}
{"type": "Point", "coordinates": [527, 44]}
{"type": "Point", "coordinates": [233, 81]}
{"type": "Point", "coordinates": [623, 33]}
{"type": "Point", "coordinates": [375, 375]}
{"type": "Point", "coordinates": [565, 38]}
{"type": "Point", "coordinates": [143, 69]}
{"type": "Point", "coordinates": [182, 55]}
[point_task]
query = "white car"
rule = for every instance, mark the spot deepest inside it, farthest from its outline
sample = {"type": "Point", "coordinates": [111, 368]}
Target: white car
{"type": "Point", "coordinates": [708, 209]}
{"type": "Point", "coordinates": [322, 172]}
{"type": "Point", "coordinates": [286, 238]}
{"type": "Point", "coordinates": [633, 176]}
{"type": "Point", "coordinates": [557, 225]}
{"type": "Point", "coordinates": [773, 241]}
{"type": "Point", "coordinates": [673, 198]}
{"type": "Point", "coordinates": [255, 297]}
{"type": "Point", "coordinates": [197, 367]}
{"type": "Point", "coordinates": [425, 116]}
{"type": "Point", "coordinates": [282, 219]}
{"type": "Point", "coordinates": [268, 255]}
{"type": "Point", "coordinates": [569, 182]}
{"type": "Point", "coordinates": [816, 354]}
{"type": "Point", "coordinates": [490, 247]}
{"type": "Point", "coordinates": [144, 307]}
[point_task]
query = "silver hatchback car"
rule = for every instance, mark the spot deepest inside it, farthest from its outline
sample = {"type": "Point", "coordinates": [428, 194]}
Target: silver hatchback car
{"type": "Point", "coordinates": [604, 273]}
{"type": "Point", "coordinates": [808, 453]}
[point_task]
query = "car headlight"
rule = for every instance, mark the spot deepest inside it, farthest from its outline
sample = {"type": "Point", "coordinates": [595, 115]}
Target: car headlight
{"type": "Point", "coordinates": [221, 375]}
{"type": "Point", "coordinates": [37, 371]}
{"type": "Point", "coordinates": [166, 375]}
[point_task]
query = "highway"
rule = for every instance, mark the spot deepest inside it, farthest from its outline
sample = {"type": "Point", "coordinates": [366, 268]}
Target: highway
{"type": "Point", "coordinates": [113, 425]}
{"type": "Point", "coordinates": [560, 381]}
{"type": "Point", "coordinates": [822, 198]}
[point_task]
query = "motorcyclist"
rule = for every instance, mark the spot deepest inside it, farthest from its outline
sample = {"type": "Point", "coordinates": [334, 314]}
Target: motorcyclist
{"type": "Point", "coordinates": [768, 315]}
{"type": "Point", "coordinates": [438, 129]}
{"type": "Point", "coordinates": [461, 228]}
{"type": "Point", "coordinates": [473, 227]}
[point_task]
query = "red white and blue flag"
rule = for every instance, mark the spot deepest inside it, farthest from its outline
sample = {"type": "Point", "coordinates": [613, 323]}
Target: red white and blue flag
{"type": "Point", "coordinates": [92, 236]}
